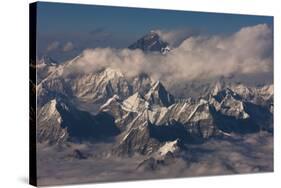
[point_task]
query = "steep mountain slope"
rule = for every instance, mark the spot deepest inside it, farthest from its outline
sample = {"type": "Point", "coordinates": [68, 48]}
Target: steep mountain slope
{"type": "Point", "coordinates": [59, 121]}
{"type": "Point", "coordinates": [158, 95]}
{"type": "Point", "coordinates": [100, 86]}
{"type": "Point", "coordinates": [45, 67]}
{"type": "Point", "coordinates": [151, 43]}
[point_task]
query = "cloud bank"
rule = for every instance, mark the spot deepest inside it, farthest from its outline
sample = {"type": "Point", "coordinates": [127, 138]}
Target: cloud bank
{"type": "Point", "coordinates": [53, 46]}
{"type": "Point", "coordinates": [245, 154]}
{"type": "Point", "coordinates": [175, 37]}
{"type": "Point", "coordinates": [68, 47]}
{"type": "Point", "coordinates": [248, 51]}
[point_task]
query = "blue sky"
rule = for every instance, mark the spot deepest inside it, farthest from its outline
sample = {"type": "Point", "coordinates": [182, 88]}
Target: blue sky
{"type": "Point", "coordinates": [103, 26]}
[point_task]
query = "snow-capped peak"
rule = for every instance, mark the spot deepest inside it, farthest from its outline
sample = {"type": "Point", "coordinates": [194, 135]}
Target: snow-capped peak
{"type": "Point", "coordinates": [217, 88]}
{"type": "Point", "coordinates": [46, 60]}
{"type": "Point", "coordinates": [158, 95]}
{"type": "Point", "coordinates": [135, 103]}
{"type": "Point", "coordinates": [151, 42]}
{"type": "Point", "coordinates": [52, 106]}
{"type": "Point", "coordinates": [168, 147]}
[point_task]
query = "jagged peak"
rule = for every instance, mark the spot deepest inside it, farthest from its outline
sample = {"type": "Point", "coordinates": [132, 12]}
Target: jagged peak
{"type": "Point", "coordinates": [159, 95]}
{"type": "Point", "coordinates": [171, 146]}
{"type": "Point", "coordinates": [47, 60]}
{"type": "Point", "coordinates": [225, 92]}
{"type": "Point", "coordinates": [51, 105]}
{"type": "Point", "coordinates": [58, 102]}
{"type": "Point", "coordinates": [134, 102]}
{"type": "Point", "coordinates": [150, 42]}
{"type": "Point", "coordinates": [267, 89]}
{"type": "Point", "coordinates": [217, 88]}
{"type": "Point", "coordinates": [157, 86]}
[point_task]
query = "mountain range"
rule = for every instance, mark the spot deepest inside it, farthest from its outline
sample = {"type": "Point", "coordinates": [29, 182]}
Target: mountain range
{"type": "Point", "coordinates": [140, 114]}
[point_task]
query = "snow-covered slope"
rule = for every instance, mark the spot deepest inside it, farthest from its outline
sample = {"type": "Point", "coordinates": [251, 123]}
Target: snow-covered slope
{"type": "Point", "coordinates": [98, 87]}
{"type": "Point", "coordinates": [49, 124]}
{"type": "Point", "coordinates": [45, 67]}
{"type": "Point", "coordinates": [139, 112]}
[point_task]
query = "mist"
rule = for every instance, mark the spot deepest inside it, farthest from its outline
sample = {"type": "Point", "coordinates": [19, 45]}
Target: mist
{"type": "Point", "coordinates": [242, 154]}
{"type": "Point", "coordinates": [246, 52]}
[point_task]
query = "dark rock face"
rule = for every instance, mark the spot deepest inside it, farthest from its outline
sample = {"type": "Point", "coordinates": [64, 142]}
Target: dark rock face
{"type": "Point", "coordinates": [60, 121]}
{"type": "Point", "coordinates": [82, 126]}
{"type": "Point", "coordinates": [261, 116]}
{"type": "Point", "coordinates": [230, 124]}
{"type": "Point", "coordinates": [150, 43]}
{"type": "Point", "coordinates": [138, 140]}
{"type": "Point", "coordinates": [169, 132]}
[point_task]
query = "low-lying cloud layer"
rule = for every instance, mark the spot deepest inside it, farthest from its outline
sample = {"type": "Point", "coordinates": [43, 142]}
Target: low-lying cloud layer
{"type": "Point", "coordinates": [243, 154]}
{"type": "Point", "coordinates": [248, 51]}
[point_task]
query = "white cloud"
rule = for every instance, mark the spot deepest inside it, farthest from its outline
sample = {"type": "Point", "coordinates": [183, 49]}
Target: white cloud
{"type": "Point", "coordinates": [68, 47]}
{"type": "Point", "coordinates": [248, 51]}
{"type": "Point", "coordinates": [244, 154]}
{"type": "Point", "coordinates": [175, 37]}
{"type": "Point", "coordinates": [53, 46]}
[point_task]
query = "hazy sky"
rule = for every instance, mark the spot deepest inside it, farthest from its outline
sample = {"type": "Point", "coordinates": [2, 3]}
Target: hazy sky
{"type": "Point", "coordinates": [70, 28]}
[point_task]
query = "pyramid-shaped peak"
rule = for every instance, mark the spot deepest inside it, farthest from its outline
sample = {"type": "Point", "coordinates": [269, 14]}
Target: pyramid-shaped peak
{"type": "Point", "coordinates": [158, 87]}
{"type": "Point", "coordinates": [135, 102]}
{"type": "Point", "coordinates": [158, 95]}
{"type": "Point", "coordinates": [151, 42]}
